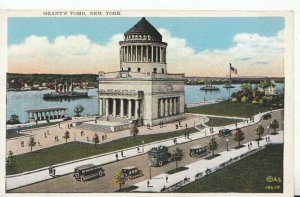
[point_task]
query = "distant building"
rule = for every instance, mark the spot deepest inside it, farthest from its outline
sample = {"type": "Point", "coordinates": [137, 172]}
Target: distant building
{"type": "Point", "coordinates": [142, 91]}
{"type": "Point", "coordinates": [272, 90]}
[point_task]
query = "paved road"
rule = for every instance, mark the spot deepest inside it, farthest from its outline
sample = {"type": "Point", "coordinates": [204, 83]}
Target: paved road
{"type": "Point", "coordinates": [105, 184]}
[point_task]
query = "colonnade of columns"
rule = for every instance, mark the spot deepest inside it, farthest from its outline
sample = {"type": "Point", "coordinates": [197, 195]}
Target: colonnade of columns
{"type": "Point", "coordinates": [168, 106]}
{"type": "Point", "coordinates": [46, 115]}
{"type": "Point", "coordinates": [143, 53]}
{"type": "Point", "coordinates": [119, 107]}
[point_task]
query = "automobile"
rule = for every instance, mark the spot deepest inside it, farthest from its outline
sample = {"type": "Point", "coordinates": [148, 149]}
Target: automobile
{"type": "Point", "coordinates": [224, 133]}
{"type": "Point", "coordinates": [198, 151]}
{"type": "Point", "coordinates": [159, 155]}
{"type": "Point", "coordinates": [131, 172]}
{"type": "Point", "coordinates": [266, 116]}
{"type": "Point", "coordinates": [88, 171]}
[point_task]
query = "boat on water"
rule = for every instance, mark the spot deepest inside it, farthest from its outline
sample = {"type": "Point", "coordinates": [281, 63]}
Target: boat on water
{"type": "Point", "coordinates": [64, 91]}
{"type": "Point", "coordinates": [209, 87]}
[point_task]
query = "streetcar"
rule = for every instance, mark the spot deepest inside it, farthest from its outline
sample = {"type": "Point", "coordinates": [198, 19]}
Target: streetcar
{"type": "Point", "coordinates": [88, 171]}
{"type": "Point", "coordinates": [199, 151]}
{"type": "Point", "coordinates": [159, 155]}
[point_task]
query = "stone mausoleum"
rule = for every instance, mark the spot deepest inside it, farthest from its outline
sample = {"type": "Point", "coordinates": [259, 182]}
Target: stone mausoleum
{"type": "Point", "coordinates": [142, 91]}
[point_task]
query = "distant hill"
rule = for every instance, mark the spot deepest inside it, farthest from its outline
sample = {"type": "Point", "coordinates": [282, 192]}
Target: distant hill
{"type": "Point", "coordinates": [31, 79]}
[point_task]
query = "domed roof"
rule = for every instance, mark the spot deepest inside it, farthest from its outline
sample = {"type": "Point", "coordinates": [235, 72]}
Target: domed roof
{"type": "Point", "coordinates": [143, 27]}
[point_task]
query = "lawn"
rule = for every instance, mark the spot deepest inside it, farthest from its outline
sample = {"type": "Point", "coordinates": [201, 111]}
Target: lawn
{"type": "Point", "coordinates": [230, 109]}
{"type": "Point", "coordinates": [248, 175]}
{"type": "Point", "coordinates": [216, 122]}
{"type": "Point", "coordinates": [13, 134]}
{"type": "Point", "coordinates": [77, 150]}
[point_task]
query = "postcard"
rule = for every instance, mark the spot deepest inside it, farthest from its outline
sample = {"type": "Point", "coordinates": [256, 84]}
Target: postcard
{"type": "Point", "coordinates": [102, 102]}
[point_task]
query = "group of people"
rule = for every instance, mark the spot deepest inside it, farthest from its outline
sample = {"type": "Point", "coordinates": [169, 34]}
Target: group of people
{"type": "Point", "coordinates": [117, 156]}
{"type": "Point", "coordinates": [56, 138]}
{"type": "Point", "coordinates": [211, 129]}
{"type": "Point", "coordinates": [52, 171]}
{"type": "Point", "coordinates": [161, 124]}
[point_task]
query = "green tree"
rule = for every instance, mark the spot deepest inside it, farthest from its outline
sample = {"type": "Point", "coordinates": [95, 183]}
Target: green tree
{"type": "Point", "coordinates": [213, 145]}
{"type": "Point", "coordinates": [239, 136]}
{"type": "Point", "coordinates": [274, 125]}
{"type": "Point", "coordinates": [66, 135]}
{"type": "Point", "coordinates": [119, 179]}
{"type": "Point", "coordinates": [78, 110]}
{"type": "Point", "coordinates": [96, 139]}
{"type": "Point", "coordinates": [177, 155]}
{"type": "Point", "coordinates": [14, 119]}
{"type": "Point", "coordinates": [32, 142]}
{"type": "Point", "coordinates": [266, 84]}
{"type": "Point", "coordinates": [246, 87]}
{"type": "Point", "coordinates": [10, 161]}
{"type": "Point", "coordinates": [134, 131]}
{"type": "Point", "coordinates": [259, 131]}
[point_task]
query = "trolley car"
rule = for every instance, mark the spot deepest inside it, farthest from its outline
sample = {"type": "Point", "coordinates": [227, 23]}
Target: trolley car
{"type": "Point", "coordinates": [159, 155]}
{"type": "Point", "coordinates": [199, 151]}
{"type": "Point", "coordinates": [88, 171]}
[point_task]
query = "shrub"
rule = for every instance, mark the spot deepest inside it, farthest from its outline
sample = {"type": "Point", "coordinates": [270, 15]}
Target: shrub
{"type": "Point", "coordinates": [234, 100]}
{"type": "Point", "coordinates": [254, 102]}
{"type": "Point", "coordinates": [244, 99]}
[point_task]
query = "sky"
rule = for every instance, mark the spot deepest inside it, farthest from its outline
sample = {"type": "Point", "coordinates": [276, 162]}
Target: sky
{"type": "Point", "coordinates": [201, 46]}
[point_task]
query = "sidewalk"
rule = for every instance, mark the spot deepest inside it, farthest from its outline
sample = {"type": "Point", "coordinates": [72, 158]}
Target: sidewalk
{"type": "Point", "coordinates": [26, 178]}
{"type": "Point", "coordinates": [176, 180]}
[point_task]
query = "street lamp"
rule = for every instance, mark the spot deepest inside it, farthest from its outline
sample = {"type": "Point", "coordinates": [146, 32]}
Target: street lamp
{"type": "Point", "coordinates": [149, 170]}
{"type": "Point", "coordinates": [227, 144]}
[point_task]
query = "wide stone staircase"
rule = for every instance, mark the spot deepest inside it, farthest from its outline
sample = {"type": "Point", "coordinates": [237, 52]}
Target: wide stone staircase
{"type": "Point", "coordinates": [94, 127]}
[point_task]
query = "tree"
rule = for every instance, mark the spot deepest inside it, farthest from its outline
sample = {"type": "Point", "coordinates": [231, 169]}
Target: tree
{"type": "Point", "coordinates": [96, 139]}
{"type": "Point", "coordinates": [32, 142]}
{"type": "Point", "coordinates": [239, 136]}
{"type": "Point", "coordinates": [66, 135]}
{"type": "Point", "coordinates": [119, 179]}
{"type": "Point", "coordinates": [134, 131]}
{"type": "Point", "coordinates": [177, 155]}
{"type": "Point", "coordinates": [266, 84]}
{"type": "Point", "coordinates": [259, 130]}
{"type": "Point", "coordinates": [213, 145]}
{"type": "Point", "coordinates": [246, 87]}
{"type": "Point", "coordinates": [78, 110]}
{"type": "Point", "coordinates": [10, 161]}
{"type": "Point", "coordinates": [14, 119]}
{"type": "Point", "coordinates": [274, 125]}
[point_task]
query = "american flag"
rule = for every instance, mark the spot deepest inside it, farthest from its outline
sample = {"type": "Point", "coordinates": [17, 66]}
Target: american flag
{"type": "Point", "coordinates": [233, 70]}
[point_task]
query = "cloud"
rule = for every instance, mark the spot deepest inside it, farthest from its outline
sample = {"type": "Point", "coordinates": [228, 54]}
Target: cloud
{"type": "Point", "coordinates": [251, 54]}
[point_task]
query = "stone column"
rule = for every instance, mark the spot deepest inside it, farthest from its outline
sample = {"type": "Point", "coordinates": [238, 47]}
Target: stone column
{"type": "Point", "coordinates": [152, 53]}
{"type": "Point", "coordinates": [100, 107]}
{"type": "Point", "coordinates": [136, 111]}
{"type": "Point", "coordinates": [166, 107]}
{"type": "Point", "coordinates": [122, 108]}
{"type": "Point", "coordinates": [114, 107]}
{"type": "Point", "coordinates": [171, 106]}
{"type": "Point", "coordinates": [156, 54]}
{"type": "Point", "coordinates": [174, 105]}
{"type": "Point", "coordinates": [142, 53]}
{"type": "Point", "coordinates": [162, 114]}
{"type": "Point", "coordinates": [106, 107]}
{"type": "Point", "coordinates": [131, 53]}
{"type": "Point", "coordinates": [147, 55]}
{"type": "Point", "coordinates": [129, 108]}
{"type": "Point", "coordinates": [136, 53]}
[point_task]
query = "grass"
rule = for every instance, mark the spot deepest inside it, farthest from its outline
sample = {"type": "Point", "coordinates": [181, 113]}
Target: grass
{"type": "Point", "coordinates": [77, 150]}
{"type": "Point", "coordinates": [248, 175]}
{"type": "Point", "coordinates": [244, 110]}
{"type": "Point", "coordinates": [177, 170]}
{"type": "Point", "coordinates": [13, 134]}
{"type": "Point", "coordinates": [127, 189]}
{"type": "Point", "coordinates": [216, 122]}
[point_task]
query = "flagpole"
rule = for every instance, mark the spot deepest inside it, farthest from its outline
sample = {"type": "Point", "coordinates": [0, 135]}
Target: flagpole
{"type": "Point", "coordinates": [229, 73]}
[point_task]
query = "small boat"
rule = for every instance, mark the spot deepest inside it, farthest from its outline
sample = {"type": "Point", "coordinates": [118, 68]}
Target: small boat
{"type": "Point", "coordinates": [209, 87]}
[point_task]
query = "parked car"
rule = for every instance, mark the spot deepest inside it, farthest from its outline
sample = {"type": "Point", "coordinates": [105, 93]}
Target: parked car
{"type": "Point", "coordinates": [131, 172]}
{"type": "Point", "coordinates": [198, 151]}
{"type": "Point", "coordinates": [88, 171]}
{"type": "Point", "coordinates": [224, 133]}
{"type": "Point", "coordinates": [159, 155]}
{"type": "Point", "coordinates": [267, 116]}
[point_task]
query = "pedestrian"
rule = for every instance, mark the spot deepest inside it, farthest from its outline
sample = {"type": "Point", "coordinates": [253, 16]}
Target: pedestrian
{"type": "Point", "coordinates": [235, 125]}
{"type": "Point", "coordinates": [258, 143]}
{"type": "Point", "coordinates": [87, 138]}
{"type": "Point", "coordinates": [251, 144]}
{"type": "Point", "coordinates": [117, 156]}
{"type": "Point", "coordinates": [179, 123]}
{"type": "Point", "coordinates": [53, 172]}
{"type": "Point", "coordinates": [38, 143]}
{"type": "Point", "coordinates": [50, 170]}
{"type": "Point", "coordinates": [58, 125]}
{"type": "Point", "coordinates": [174, 140]}
{"type": "Point", "coordinates": [138, 149]}
{"type": "Point", "coordinates": [186, 126]}
{"type": "Point", "coordinates": [105, 136]}
{"type": "Point", "coordinates": [248, 146]}
{"type": "Point", "coordinates": [148, 183]}
{"type": "Point", "coordinates": [212, 129]}
{"type": "Point", "coordinates": [176, 126]}
{"type": "Point", "coordinates": [267, 139]}
{"type": "Point", "coordinates": [167, 178]}
{"type": "Point", "coordinates": [122, 153]}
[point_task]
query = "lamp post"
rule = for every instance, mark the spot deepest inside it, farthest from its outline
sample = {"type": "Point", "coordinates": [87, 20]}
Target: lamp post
{"type": "Point", "coordinates": [227, 144]}
{"type": "Point", "coordinates": [149, 170]}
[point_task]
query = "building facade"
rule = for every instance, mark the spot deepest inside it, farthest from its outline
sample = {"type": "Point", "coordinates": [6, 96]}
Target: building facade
{"type": "Point", "coordinates": [142, 91]}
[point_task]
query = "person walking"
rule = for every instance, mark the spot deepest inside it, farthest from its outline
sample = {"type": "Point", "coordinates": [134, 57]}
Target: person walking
{"type": "Point", "coordinates": [53, 172]}
{"type": "Point", "coordinates": [138, 149]}
{"type": "Point", "coordinates": [167, 178]}
{"type": "Point", "coordinates": [258, 143]}
{"type": "Point", "coordinates": [117, 156]}
{"type": "Point", "coordinates": [148, 183]}
{"type": "Point", "coordinates": [122, 153]}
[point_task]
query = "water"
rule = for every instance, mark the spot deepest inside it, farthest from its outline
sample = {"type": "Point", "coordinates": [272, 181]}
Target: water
{"type": "Point", "coordinates": [19, 102]}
